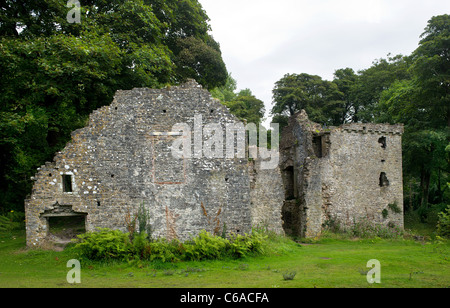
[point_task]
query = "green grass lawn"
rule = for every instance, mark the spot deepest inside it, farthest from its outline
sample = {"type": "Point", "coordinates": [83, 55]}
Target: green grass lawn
{"type": "Point", "coordinates": [326, 263]}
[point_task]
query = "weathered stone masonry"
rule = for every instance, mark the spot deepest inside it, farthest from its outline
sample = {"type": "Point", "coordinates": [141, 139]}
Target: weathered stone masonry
{"type": "Point", "coordinates": [123, 158]}
{"type": "Point", "coordinates": [344, 174]}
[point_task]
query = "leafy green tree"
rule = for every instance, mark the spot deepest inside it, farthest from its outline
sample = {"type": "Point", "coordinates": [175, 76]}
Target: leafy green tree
{"type": "Point", "coordinates": [243, 104]}
{"type": "Point", "coordinates": [55, 73]}
{"type": "Point", "coordinates": [431, 69]}
{"type": "Point", "coordinates": [200, 61]}
{"type": "Point", "coordinates": [346, 79]}
{"type": "Point", "coordinates": [49, 85]}
{"type": "Point", "coordinates": [225, 93]}
{"type": "Point", "coordinates": [247, 107]}
{"type": "Point", "coordinates": [321, 99]}
{"type": "Point", "coordinates": [373, 81]}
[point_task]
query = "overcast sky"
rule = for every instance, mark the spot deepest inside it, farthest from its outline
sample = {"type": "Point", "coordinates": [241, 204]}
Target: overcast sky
{"type": "Point", "coordinates": [262, 40]}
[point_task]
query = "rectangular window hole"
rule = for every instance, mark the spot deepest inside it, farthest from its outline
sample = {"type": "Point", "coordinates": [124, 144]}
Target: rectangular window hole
{"type": "Point", "coordinates": [317, 145]}
{"type": "Point", "coordinates": [67, 183]}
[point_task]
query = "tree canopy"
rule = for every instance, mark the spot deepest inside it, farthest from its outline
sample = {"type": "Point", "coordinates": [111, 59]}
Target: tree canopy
{"type": "Point", "coordinates": [321, 99]}
{"type": "Point", "coordinates": [242, 104]}
{"type": "Point", "coordinates": [55, 73]}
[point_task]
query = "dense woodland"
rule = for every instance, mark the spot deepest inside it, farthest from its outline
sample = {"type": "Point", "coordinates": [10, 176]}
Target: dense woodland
{"type": "Point", "coordinates": [55, 73]}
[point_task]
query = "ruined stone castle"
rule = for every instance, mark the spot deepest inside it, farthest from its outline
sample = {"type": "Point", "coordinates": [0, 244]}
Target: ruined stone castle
{"type": "Point", "coordinates": [124, 159]}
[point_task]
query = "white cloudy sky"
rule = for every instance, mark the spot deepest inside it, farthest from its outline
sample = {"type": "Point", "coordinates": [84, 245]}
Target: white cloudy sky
{"type": "Point", "coordinates": [262, 40]}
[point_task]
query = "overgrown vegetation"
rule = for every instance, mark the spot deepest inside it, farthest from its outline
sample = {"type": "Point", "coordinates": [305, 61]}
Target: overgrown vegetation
{"type": "Point", "coordinates": [364, 228]}
{"type": "Point", "coordinates": [106, 244]}
{"type": "Point", "coordinates": [12, 221]}
{"type": "Point", "coordinates": [443, 226]}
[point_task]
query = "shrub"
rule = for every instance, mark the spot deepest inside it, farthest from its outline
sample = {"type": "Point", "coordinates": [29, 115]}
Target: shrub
{"type": "Point", "coordinates": [104, 244]}
{"type": "Point", "coordinates": [241, 246]}
{"type": "Point", "coordinates": [443, 225]}
{"type": "Point", "coordinates": [365, 228]}
{"type": "Point", "coordinates": [368, 229]}
{"type": "Point", "coordinates": [107, 244]}
{"type": "Point", "coordinates": [143, 218]}
{"type": "Point", "coordinates": [165, 251]}
{"type": "Point", "coordinates": [6, 224]}
{"type": "Point", "coordinates": [206, 246]}
{"type": "Point", "coordinates": [12, 221]}
{"type": "Point", "coordinates": [395, 208]}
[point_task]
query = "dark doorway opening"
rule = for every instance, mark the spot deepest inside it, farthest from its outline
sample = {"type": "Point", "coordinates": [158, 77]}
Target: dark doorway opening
{"type": "Point", "coordinates": [289, 183]}
{"type": "Point", "coordinates": [67, 227]}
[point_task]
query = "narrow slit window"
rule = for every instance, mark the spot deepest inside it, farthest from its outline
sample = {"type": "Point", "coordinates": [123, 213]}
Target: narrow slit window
{"type": "Point", "coordinates": [67, 183]}
{"type": "Point", "coordinates": [317, 145]}
{"type": "Point", "coordinates": [289, 182]}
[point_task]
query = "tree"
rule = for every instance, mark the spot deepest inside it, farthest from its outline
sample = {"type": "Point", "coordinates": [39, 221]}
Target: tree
{"type": "Point", "coordinates": [200, 61]}
{"type": "Point", "coordinates": [55, 73]}
{"type": "Point", "coordinates": [226, 92]}
{"type": "Point", "coordinates": [346, 79]}
{"type": "Point", "coordinates": [247, 107]}
{"type": "Point", "coordinates": [431, 68]}
{"type": "Point", "coordinates": [49, 85]}
{"type": "Point", "coordinates": [373, 81]}
{"type": "Point", "coordinates": [321, 99]}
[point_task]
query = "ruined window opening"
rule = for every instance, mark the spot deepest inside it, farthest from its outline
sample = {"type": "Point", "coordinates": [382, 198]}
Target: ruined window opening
{"type": "Point", "coordinates": [164, 111]}
{"type": "Point", "coordinates": [227, 179]}
{"type": "Point", "coordinates": [67, 227]}
{"type": "Point", "coordinates": [289, 179]}
{"type": "Point", "coordinates": [112, 175]}
{"type": "Point", "coordinates": [382, 141]}
{"type": "Point", "coordinates": [98, 203]}
{"type": "Point", "coordinates": [49, 175]}
{"type": "Point", "coordinates": [67, 183]}
{"type": "Point", "coordinates": [384, 182]}
{"type": "Point", "coordinates": [317, 145]}
{"type": "Point", "coordinates": [212, 110]}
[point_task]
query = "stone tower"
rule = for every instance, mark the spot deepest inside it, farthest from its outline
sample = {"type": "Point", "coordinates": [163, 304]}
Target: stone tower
{"type": "Point", "coordinates": [343, 174]}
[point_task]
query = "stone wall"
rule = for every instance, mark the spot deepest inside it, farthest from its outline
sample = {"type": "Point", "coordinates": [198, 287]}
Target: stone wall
{"type": "Point", "coordinates": [361, 155]}
{"type": "Point", "coordinates": [267, 195]}
{"type": "Point", "coordinates": [123, 159]}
